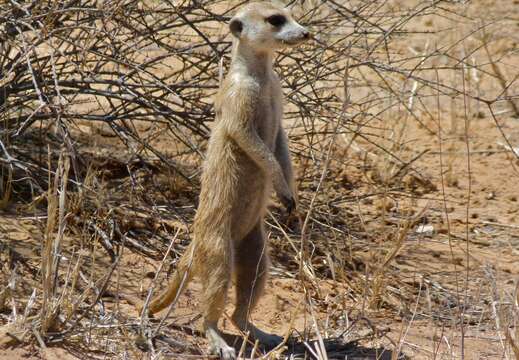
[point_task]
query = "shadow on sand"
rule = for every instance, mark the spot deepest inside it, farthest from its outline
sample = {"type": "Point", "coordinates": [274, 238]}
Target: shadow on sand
{"type": "Point", "coordinates": [335, 349]}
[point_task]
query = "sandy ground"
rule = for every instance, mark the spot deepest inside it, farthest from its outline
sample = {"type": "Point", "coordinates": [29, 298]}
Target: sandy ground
{"type": "Point", "coordinates": [474, 246]}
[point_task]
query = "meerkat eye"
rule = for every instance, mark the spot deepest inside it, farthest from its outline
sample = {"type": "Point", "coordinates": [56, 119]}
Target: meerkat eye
{"type": "Point", "coordinates": [276, 20]}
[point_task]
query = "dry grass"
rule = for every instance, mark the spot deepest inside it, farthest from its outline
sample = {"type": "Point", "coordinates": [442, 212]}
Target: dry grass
{"type": "Point", "coordinates": [105, 109]}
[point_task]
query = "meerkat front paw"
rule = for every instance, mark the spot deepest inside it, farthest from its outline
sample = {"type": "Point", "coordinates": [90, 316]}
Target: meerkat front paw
{"type": "Point", "coordinates": [288, 201]}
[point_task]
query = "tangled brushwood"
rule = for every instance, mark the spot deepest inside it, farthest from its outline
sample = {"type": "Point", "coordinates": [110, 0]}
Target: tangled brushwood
{"type": "Point", "coordinates": [105, 109]}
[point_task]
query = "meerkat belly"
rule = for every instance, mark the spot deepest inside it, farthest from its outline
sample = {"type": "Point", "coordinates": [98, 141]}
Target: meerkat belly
{"type": "Point", "coordinates": [253, 186]}
{"type": "Point", "coordinates": [233, 192]}
{"type": "Point", "coordinates": [267, 121]}
{"type": "Point", "coordinates": [253, 190]}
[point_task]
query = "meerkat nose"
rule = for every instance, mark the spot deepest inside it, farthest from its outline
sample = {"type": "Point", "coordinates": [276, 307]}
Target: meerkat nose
{"type": "Point", "coordinates": [306, 34]}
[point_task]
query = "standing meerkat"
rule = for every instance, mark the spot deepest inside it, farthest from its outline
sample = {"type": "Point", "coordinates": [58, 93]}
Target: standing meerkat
{"type": "Point", "coordinates": [247, 157]}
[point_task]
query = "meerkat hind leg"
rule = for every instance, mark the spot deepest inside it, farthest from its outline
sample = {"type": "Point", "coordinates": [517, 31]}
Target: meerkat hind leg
{"type": "Point", "coordinates": [251, 266]}
{"type": "Point", "coordinates": [215, 277]}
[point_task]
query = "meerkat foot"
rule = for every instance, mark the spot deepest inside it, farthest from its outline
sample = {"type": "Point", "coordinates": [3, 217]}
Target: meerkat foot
{"type": "Point", "coordinates": [218, 346]}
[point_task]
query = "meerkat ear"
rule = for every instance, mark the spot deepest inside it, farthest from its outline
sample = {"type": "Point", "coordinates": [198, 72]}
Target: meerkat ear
{"type": "Point", "coordinates": [236, 27]}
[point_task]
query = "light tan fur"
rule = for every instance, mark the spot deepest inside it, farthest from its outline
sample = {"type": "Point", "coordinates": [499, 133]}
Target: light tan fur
{"type": "Point", "coordinates": [247, 158]}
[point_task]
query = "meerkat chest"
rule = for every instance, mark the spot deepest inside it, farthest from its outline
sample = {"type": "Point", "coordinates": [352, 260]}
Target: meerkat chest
{"type": "Point", "coordinates": [269, 113]}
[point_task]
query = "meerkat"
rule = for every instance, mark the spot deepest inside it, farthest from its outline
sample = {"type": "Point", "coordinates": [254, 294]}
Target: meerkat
{"type": "Point", "coordinates": [247, 157]}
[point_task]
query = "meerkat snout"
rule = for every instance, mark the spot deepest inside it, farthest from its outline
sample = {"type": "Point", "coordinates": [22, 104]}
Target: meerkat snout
{"type": "Point", "coordinates": [292, 34]}
{"type": "Point", "coordinates": [267, 26]}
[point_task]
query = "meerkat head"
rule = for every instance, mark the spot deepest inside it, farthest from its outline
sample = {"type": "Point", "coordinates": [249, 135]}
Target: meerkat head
{"type": "Point", "coordinates": [267, 26]}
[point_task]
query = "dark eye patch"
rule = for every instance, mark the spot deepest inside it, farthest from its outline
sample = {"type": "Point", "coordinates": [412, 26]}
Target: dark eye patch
{"type": "Point", "coordinates": [276, 20]}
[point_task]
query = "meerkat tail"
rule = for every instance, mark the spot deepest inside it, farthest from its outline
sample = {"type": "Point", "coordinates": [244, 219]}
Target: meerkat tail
{"type": "Point", "coordinates": [182, 276]}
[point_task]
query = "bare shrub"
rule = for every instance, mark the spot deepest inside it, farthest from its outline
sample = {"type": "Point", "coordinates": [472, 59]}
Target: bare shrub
{"type": "Point", "coordinates": [105, 107]}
